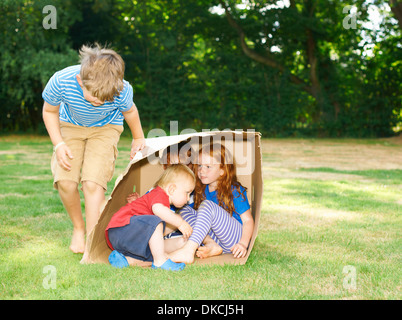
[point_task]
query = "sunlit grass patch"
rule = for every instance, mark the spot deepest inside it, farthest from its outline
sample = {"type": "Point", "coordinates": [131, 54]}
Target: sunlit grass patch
{"type": "Point", "coordinates": [315, 221]}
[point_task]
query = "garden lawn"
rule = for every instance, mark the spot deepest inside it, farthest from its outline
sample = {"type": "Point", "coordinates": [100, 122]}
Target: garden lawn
{"type": "Point", "coordinates": [330, 229]}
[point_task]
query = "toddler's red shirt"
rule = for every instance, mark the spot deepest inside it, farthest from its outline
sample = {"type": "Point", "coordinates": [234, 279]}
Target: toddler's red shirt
{"type": "Point", "coordinates": [141, 206]}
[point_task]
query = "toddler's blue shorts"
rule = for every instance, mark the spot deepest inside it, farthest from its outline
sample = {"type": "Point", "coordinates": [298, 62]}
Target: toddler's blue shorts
{"type": "Point", "coordinates": [132, 240]}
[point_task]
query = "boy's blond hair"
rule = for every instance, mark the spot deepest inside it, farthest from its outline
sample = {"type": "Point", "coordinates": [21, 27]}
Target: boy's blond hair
{"type": "Point", "coordinates": [102, 72]}
{"type": "Point", "coordinates": [173, 173]}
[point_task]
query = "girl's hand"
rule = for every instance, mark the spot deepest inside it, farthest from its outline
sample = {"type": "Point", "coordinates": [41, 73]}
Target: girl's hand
{"type": "Point", "coordinates": [185, 229]}
{"type": "Point", "coordinates": [132, 196]}
{"type": "Point", "coordinates": [136, 145]}
{"type": "Point", "coordinates": [63, 153]}
{"type": "Point", "coordinates": [239, 250]}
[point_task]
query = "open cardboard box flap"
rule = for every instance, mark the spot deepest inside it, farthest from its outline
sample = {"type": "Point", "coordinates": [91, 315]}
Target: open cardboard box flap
{"type": "Point", "coordinates": [145, 168]}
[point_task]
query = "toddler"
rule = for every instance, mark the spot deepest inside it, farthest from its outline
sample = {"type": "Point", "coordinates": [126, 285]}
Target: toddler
{"type": "Point", "coordinates": [136, 230]}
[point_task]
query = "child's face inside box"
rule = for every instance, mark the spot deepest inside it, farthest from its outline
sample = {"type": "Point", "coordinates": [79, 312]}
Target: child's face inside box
{"type": "Point", "coordinates": [209, 171]}
{"type": "Point", "coordinates": [181, 191]}
{"type": "Point", "coordinates": [172, 156]}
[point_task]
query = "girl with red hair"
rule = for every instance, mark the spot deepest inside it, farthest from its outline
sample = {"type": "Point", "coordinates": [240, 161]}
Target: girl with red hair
{"type": "Point", "coordinates": [221, 218]}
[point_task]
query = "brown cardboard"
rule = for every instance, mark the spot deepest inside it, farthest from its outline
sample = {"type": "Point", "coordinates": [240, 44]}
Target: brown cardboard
{"type": "Point", "coordinates": [144, 170]}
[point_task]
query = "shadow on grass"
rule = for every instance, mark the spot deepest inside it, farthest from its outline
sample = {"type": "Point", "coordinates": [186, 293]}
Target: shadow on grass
{"type": "Point", "coordinates": [389, 176]}
{"type": "Point", "coordinates": [343, 195]}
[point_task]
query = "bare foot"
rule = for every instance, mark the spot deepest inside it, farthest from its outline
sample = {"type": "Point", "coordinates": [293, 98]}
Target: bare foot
{"type": "Point", "coordinates": [185, 254]}
{"type": "Point", "coordinates": [209, 251]}
{"type": "Point", "coordinates": [78, 241]}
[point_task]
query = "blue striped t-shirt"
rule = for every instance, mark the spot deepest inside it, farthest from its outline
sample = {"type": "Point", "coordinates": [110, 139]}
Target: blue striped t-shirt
{"type": "Point", "coordinates": [63, 89]}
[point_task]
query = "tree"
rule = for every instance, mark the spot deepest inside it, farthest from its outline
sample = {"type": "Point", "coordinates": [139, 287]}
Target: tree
{"type": "Point", "coordinates": [312, 41]}
{"type": "Point", "coordinates": [282, 68]}
{"type": "Point", "coordinates": [396, 7]}
{"type": "Point", "coordinates": [30, 55]}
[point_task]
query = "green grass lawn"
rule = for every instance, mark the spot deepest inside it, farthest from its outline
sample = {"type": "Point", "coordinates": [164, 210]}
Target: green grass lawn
{"type": "Point", "coordinates": [326, 211]}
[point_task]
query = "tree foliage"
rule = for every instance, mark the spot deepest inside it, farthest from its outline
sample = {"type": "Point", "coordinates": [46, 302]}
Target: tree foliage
{"type": "Point", "coordinates": [281, 67]}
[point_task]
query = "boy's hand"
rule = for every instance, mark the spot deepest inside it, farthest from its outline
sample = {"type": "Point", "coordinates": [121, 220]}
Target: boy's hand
{"type": "Point", "coordinates": [136, 145]}
{"type": "Point", "coordinates": [185, 229]}
{"type": "Point", "coordinates": [239, 250]}
{"type": "Point", "coordinates": [63, 153]}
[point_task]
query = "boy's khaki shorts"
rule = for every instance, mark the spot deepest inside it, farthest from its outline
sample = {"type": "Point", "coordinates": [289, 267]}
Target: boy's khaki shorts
{"type": "Point", "coordinates": [94, 150]}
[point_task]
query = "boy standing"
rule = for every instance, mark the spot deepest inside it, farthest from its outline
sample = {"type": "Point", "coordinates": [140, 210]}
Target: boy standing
{"type": "Point", "coordinates": [83, 113]}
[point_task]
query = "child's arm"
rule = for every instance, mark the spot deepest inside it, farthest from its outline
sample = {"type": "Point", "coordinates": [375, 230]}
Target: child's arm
{"type": "Point", "coordinates": [240, 249]}
{"type": "Point", "coordinates": [169, 217]}
{"type": "Point", "coordinates": [50, 116]}
{"type": "Point", "coordinates": [133, 120]}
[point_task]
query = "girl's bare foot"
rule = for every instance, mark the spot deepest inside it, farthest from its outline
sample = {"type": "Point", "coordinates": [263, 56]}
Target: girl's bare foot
{"type": "Point", "coordinates": [209, 250]}
{"type": "Point", "coordinates": [78, 241]}
{"type": "Point", "coordinates": [185, 254]}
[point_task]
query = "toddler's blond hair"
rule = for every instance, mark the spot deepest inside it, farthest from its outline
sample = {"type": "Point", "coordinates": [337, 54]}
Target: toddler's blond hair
{"type": "Point", "coordinates": [173, 173]}
{"type": "Point", "coordinates": [102, 72]}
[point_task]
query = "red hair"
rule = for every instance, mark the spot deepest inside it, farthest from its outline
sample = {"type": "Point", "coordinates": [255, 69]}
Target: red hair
{"type": "Point", "coordinates": [226, 182]}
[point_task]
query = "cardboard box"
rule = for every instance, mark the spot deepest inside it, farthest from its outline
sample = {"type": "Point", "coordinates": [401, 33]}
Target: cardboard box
{"type": "Point", "coordinates": [145, 168]}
